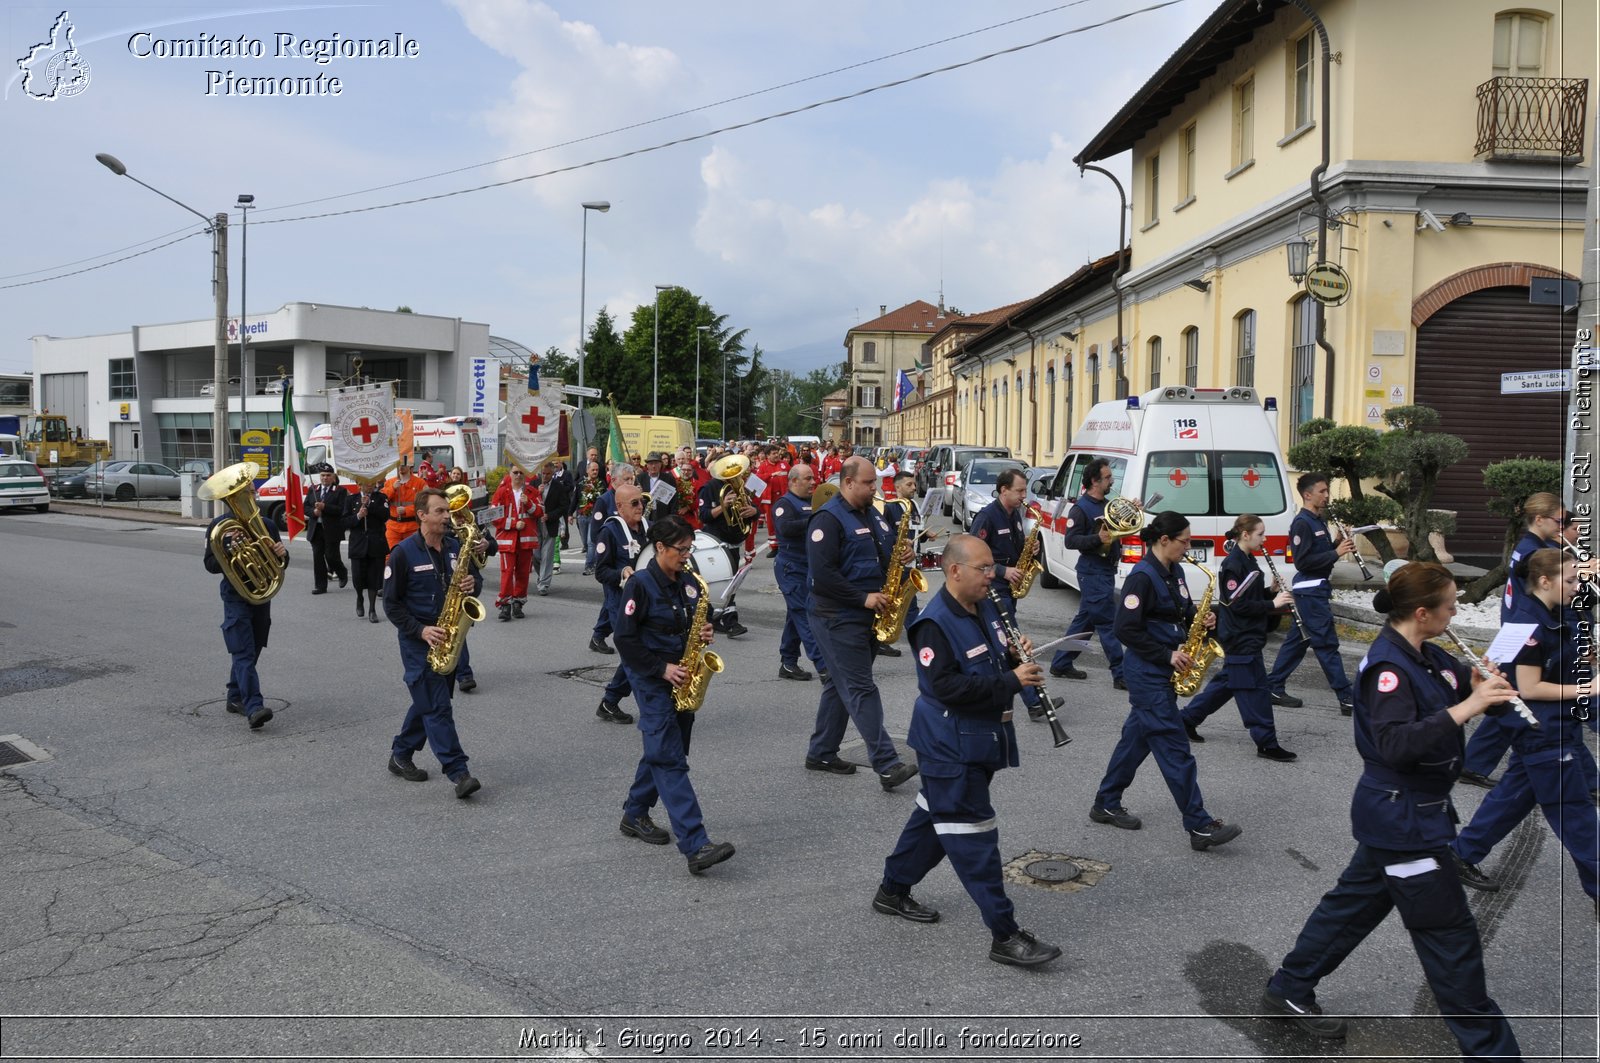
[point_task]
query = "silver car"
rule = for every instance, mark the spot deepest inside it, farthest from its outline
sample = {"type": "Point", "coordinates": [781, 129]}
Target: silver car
{"type": "Point", "coordinates": [975, 486]}
{"type": "Point", "coordinates": [128, 480]}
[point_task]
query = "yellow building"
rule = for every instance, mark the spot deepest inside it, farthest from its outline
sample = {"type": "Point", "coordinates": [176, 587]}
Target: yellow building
{"type": "Point", "coordinates": [876, 352]}
{"type": "Point", "coordinates": [929, 416]}
{"type": "Point", "coordinates": [1453, 199]}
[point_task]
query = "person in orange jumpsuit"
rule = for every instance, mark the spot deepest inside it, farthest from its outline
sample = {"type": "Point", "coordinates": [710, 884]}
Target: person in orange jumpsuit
{"type": "Point", "coordinates": [402, 489]}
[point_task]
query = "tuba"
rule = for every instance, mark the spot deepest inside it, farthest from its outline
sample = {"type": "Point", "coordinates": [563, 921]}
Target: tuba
{"type": "Point", "coordinates": [1029, 563]}
{"type": "Point", "coordinates": [461, 610]}
{"type": "Point", "coordinates": [899, 586]}
{"type": "Point", "coordinates": [732, 470]}
{"type": "Point", "coordinates": [1201, 649]}
{"type": "Point", "coordinates": [250, 564]}
{"type": "Point", "coordinates": [700, 662]}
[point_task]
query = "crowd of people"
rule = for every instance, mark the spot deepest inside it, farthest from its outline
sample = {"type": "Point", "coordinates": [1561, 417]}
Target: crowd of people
{"type": "Point", "coordinates": [838, 528]}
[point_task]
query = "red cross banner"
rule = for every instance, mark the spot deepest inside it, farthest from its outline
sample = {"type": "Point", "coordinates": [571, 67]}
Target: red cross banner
{"type": "Point", "coordinates": [532, 426]}
{"type": "Point", "coordinates": [365, 432]}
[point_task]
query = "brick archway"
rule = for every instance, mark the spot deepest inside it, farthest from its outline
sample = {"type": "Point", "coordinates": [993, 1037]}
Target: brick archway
{"type": "Point", "coordinates": [1495, 275]}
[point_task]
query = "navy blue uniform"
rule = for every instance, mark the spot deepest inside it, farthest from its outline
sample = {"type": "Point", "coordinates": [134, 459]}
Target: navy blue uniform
{"type": "Point", "coordinates": [848, 552]}
{"type": "Point", "coordinates": [1243, 621]}
{"type": "Point", "coordinates": [617, 548]}
{"type": "Point", "coordinates": [962, 733]}
{"type": "Point", "coordinates": [1314, 557]}
{"type": "Point", "coordinates": [1549, 767]}
{"type": "Point", "coordinates": [1097, 583]}
{"type": "Point", "coordinates": [1153, 620]}
{"type": "Point", "coordinates": [652, 626]}
{"type": "Point", "coordinates": [605, 507]}
{"type": "Point", "coordinates": [416, 582]}
{"type": "Point", "coordinates": [791, 516]}
{"type": "Point", "coordinates": [244, 631]}
{"type": "Point", "coordinates": [1492, 737]}
{"type": "Point", "coordinates": [893, 511]}
{"type": "Point", "coordinates": [1403, 822]}
{"type": "Point", "coordinates": [1002, 533]}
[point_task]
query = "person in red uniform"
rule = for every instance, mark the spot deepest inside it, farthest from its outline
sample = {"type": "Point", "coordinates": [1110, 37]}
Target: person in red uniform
{"type": "Point", "coordinates": [402, 489]}
{"type": "Point", "coordinates": [829, 465]}
{"type": "Point", "coordinates": [516, 534]}
{"type": "Point", "coordinates": [774, 472]}
{"type": "Point", "coordinates": [688, 478]}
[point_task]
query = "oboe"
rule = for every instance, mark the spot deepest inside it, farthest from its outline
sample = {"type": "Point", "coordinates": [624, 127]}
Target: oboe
{"type": "Point", "coordinates": [1519, 706]}
{"type": "Point", "coordinates": [1282, 586]}
{"type": "Point", "coordinates": [1014, 638]}
{"type": "Point", "coordinates": [1344, 533]}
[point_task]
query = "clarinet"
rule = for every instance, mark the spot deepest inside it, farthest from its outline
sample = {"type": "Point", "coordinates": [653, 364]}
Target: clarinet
{"type": "Point", "coordinates": [1294, 606]}
{"type": "Point", "coordinates": [1516, 703]}
{"type": "Point", "coordinates": [1366, 573]}
{"type": "Point", "coordinates": [1014, 639]}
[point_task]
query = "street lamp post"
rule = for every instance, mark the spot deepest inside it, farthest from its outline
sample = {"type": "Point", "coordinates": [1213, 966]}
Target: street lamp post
{"type": "Point", "coordinates": [655, 373]}
{"type": "Point", "coordinates": [602, 206]}
{"type": "Point", "coordinates": [217, 226]}
{"type": "Point", "coordinates": [246, 203]}
{"type": "Point", "coordinates": [699, 330]}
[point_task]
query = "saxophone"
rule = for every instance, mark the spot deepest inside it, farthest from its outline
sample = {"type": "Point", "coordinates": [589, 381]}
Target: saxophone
{"type": "Point", "coordinates": [699, 662]}
{"type": "Point", "coordinates": [461, 610]}
{"type": "Point", "coordinates": [899, 586]}
{"type": "Point", "coordinates": [1028, 562]}
{"type": "Point", "coordinates": [1201, 649]}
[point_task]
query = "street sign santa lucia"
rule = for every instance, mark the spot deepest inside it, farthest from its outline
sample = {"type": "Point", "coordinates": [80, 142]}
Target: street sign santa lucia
{"type": "Point", "coordinates": [1328, 283]}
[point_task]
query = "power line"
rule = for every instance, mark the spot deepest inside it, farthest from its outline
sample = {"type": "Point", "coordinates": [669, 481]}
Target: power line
{"type": "Point", "coordinates": [103, 265]}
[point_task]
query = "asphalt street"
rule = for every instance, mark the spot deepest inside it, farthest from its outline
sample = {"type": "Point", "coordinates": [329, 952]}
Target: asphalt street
{"type": "Point", "coordinates": [177, 886]}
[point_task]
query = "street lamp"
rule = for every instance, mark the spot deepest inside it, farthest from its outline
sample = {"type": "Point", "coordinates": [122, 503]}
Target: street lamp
{"type": "Point", "coordinates": [699, 330]}
{"type": "Point", "coordinates": [218, 228]}
{"type": "Point", "coordinates": [655, 374]}
{"type": "Point", "coordinates": [245, 203]}
{"type": "Point", "coordinates": [583, 282]}
{"type": "Point", "coordinates": [1299, 252]}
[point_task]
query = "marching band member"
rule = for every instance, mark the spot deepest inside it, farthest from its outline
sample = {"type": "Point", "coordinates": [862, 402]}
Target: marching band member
{"type": "Point", "coordinates": [716, 498]}
{"type": "Point", "coordinates": [965, 683]}
{"type": "Point", "coordinates": [621, 540]}
{"type": "Point", "coordinates": [516, 533]}
{"type": "Point", "coordinates": [1314, 555]}
{"type": "Point", "coordinates": [688, 478]}
{"type": "Point", "coordinates": [1411, 703]}
{"type": "Point", "coordinates": [1097, 574]}
{"type": "Point", "coordinates": [847, 548]}
{"type": "Point", "coordinates": [999, 525]}
{"type": "Point", "coordinates": [1153, 623]}
{"type": "Point", "coordinates": [652, 625]}
{"type": "Point", "coordinates": [1248, 613]}
{"type": "Point", "coordinates": [900, 497]}
{"type": "Point", "coordinates": [245, 627]}
{"type": "Point", "coordinates": [365, 521]}
{"type": "Point", "coordinates": [791, 515]}
{"type": "Point", "coordinates": [605, 507]}
{"type": "Point", "coordinates": [401, 490]}
{"type": "Point", "coordinates": [1547, 766]}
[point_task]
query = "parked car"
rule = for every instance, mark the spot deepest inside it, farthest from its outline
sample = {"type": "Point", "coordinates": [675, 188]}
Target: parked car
{"type": "Point", "coordinates": [200, 466]}
{"type": "Point", "coordinates": [70, 483]}
{"type": "Point", "coordinates": [65, 468]}
{"type": "Point", "coordinates": [22, 484]}
{"type": "Point", "coordinates": [943, 464]}
{"type": "Point", "coordinates": [911, 459]}
{"type": "Point", "coordinates": [128, 480]}
{"type": "Point", "coordinates": [975, 486]}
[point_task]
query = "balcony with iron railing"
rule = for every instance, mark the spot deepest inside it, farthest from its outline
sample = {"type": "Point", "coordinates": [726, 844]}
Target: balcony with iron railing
{"type": "Point", "coordinates": [1532, 119]}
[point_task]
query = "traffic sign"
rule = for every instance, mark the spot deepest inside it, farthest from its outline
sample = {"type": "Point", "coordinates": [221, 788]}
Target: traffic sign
{"type": "Point", "coordinates": [588, 393]}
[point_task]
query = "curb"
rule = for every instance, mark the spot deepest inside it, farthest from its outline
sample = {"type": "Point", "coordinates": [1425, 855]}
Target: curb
{"type": "Point", "coordinates": [148, 516]}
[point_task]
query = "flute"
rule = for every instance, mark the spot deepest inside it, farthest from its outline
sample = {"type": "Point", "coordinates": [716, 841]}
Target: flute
{"type": "Point", "coordinates": [1014, 637]}
{"type": "Point", "coordinates": [1519, 706]}
{"type": "Point", "coordinates": [1366, 573]}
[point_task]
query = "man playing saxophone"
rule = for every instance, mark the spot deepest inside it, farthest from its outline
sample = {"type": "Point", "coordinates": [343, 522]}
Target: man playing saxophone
{"type": "Point", "coordinates": [421, 570]}
{"type": "Point", "coordinates": [659, 604]}
{"type": "Point", "coordinates": [999, 525]}
{"type": "Point", "coordinates": [244, 629]}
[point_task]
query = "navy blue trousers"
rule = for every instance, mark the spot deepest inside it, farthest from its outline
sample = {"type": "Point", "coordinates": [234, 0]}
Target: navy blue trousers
{"type": "Point", "coordinates": [954, 818]}
{"type": "Point", "coordinates": [244, 633]}
{"type": "Point", "coordinates": [849, 693]}
{"type": "Point", "coordinates": [1442, 929]}
{"type": "Point", "coordinates": [432, 719]}
{"type": "Point", "coordinates": [1487, 745]}
{"type": "Point", "coordinates": [619, 687]}
{"type": "Point", "coordinates": [1097, 611]}
{"type": "Point", "coordinates": [663, 771]}
{"type": "Point", "coordinates": [1153, 728]}
{"type": "Point", "coordinates": [1317, 612]}
{"type": "Point", "coordinates": [796, 622]}
{"type": "Point", "coordinates": [1244, 680]}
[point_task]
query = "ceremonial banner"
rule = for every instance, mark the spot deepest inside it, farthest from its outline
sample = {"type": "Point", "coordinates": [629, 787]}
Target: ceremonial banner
{"type": "Point", "coordinates": [533, 425]}
{"type": "Point", "coordinates": [407, 441]}
{"type": "Point", "coordinates": [294, 450]}
{"type": "Point", "coordinates": [365, 432]}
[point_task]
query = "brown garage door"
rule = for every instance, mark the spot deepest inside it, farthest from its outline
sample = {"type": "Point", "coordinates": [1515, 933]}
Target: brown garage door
{"type": "Point", "coordinates": [1461, 352]}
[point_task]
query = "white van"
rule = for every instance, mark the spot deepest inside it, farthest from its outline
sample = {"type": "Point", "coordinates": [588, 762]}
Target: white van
{"type": "Point", "coordinates": [450, 441]}
{"type": "Point", "coordinates": [10, 446]}
{"type": "Point", "coordinates": [1209, 453]}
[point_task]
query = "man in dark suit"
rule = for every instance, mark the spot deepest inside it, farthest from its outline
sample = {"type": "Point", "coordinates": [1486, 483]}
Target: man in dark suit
{"type": "Point", "coordinates": [365, 520]}
{"type": "Point", "coordinates": [557, 492]}
{"type": "Point", "coordinates": [325, 517]}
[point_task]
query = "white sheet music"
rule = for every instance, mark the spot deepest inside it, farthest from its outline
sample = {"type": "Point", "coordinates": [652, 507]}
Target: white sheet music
{"type": "Point", "coordinates": [755, 485]}
{"type": "Point", "coordinates": [733, 585]}
{"type": "Point", "coordinates": [1510, 641]}
{"type": "Point", "coordinates": [663, 493]}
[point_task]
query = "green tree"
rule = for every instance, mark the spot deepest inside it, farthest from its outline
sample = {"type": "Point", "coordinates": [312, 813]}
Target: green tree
{"type": "Point", "coordinates": [603, 355]}
{"type": "Point", "coordinates": [1412, 456]}
{"type": "Point", "coordinates": [1352, 453]}
{"type": "Point", "coordinates": [555, 365]}
{"type": "Point", "coordinates": [721, 350]}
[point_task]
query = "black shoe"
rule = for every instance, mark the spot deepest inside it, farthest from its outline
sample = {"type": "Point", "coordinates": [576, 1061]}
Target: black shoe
{"type": "Point", "coordinates": [1069, 672]}
{"type": "Point", "coordinates": [1117, 817]}
{"type": "Point", "coordinates": [588, 571]}
{"type": "Point", "coordinates": [897, 775]}
{"type": "Point", "coordinates": [1213, 834]}
{"type": "Point", "coordinates": [259, 718]}
{"type": "Point", "coordinates": [466, 786]}
{"type": "Point", "coordinates": [344, 579]}
{"type": "Point", "coordinates": [834, 766]}
{"type": "Point", "coordinates": [1277, 753]}
{"type": "Point", "coordinates": [793, 671]}
{"type": "Point", "coordinates": [406, 770]}
{"type": "Point", "coordinates": [361, 606]}
{"type": "Point", "coordinates": [904, 906]}
{"type": "Point", "coordinates": [1036, 713]}
{"type": "Point", "coordinates": [1346, 708]}
{"type": "Point", "coordinates": [1022, 949]}
{"type": "Point", "coordinates": [505, 613]}
{"type": "Point", "coordinates": [645, 830]}
{"type": "Point", "coordinates": [1288, 701]}
{"type": "Point", "coordinates": [1119, 683]}
{"type": "Point", "coordinates": [236, 707]}
{"type": "Point", "coordinates": [467, 686]}
{"type": "Point", "coordinates": [822, 674]}
{"type": "Point", "coordinates": [886, 650]}
{"type": "Point", "coordinates": [733, 631]}
{"type": "Point", "coordinates": [599, 646]}
{"type": "Point", "coordinates": [1472, 875]}
{"type": "Point", "coordinates": [1307, 1016]}
{"type": "Point", "coordinates": [612, 713]}
{"type": "Point", "coordinates": [1472, 778]}
{"type": "Point", "coordinates": [709, 854]}
{"type": "Point", "coordinates": [516, 610]}
{"type": "Point", "coordinates": [320, 590]}
{"type": "Point", "coordinates": [1193, 732]}
{"type": "Point", "coordinates": [372, 617]}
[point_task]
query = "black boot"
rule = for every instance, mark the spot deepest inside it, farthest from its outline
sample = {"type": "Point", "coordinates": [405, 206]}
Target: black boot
{"type": "Point", "coordinates": [361, 606]}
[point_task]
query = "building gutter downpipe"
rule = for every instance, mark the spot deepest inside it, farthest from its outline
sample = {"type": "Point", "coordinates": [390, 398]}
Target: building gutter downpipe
{"type": "Point", "coordinates": [1318, 196]}
{"type": "Point", "coordinates": [1122, 260]}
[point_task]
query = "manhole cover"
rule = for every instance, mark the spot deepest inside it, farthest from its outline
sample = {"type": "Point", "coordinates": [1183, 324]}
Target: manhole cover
{"type": "Point", "coordinates": [1024, 871]}
{"type": "Point", "coordinates": [219, 707]}
{"type": "Point", "coordinates": [1053, 871]}
{"type": "Point", "coordinates": [598, 674]}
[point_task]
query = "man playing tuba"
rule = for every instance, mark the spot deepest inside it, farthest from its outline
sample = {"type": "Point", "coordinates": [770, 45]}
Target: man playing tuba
{"type": "Point", "coordinates": [244, 624]}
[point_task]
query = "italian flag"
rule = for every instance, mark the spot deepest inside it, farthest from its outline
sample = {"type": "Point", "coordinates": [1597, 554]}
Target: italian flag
{"type": "Point", "coordinates": [294, 449]}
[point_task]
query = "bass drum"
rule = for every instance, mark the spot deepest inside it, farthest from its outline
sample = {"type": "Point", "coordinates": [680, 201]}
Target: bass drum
{"type": "Point", "coordinates": [710, 560]}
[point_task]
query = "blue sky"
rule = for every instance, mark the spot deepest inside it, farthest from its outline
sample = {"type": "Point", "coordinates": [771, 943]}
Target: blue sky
{"type": "Point", "coordinates": [797, 228]}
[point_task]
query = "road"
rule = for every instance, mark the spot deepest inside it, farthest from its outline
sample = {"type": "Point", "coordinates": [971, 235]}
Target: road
{"type": "Point", "coordinates": [177, 886]}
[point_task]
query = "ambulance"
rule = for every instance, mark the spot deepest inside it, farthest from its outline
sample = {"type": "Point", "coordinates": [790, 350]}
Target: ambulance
{"type": "Point", "coordinates": [447, 441]}
{"type": "Point", "coordinates": [1209, 453]}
